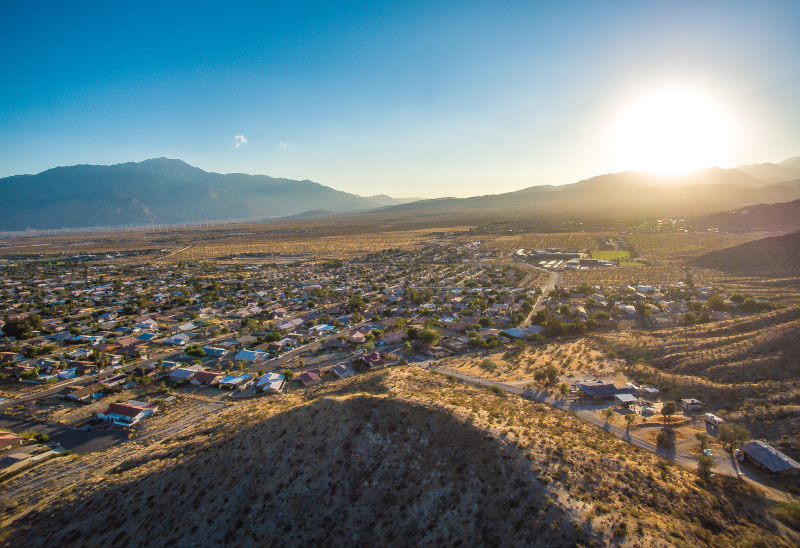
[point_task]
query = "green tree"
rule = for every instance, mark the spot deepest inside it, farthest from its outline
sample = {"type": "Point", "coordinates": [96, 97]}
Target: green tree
{"type": "Point", "coordinates": [668, 409]}
{"type": "Point", "coordinates": [629, 419]}
{"type": "Point", "coordinates": [289, 374]}
{"type": "Point", "coordinates": [23, 328]}
{"type": "Point", "coordinates": [702, 438]}
{"type": "Point", "coordinates": [429, 336]}
{"type": "Point", "coordinates": [609, 415]}
{"type": "Point", "coordinates": [547, 375]}
{"type": "Point", "coordinates": [705, 464]}
{"type": "Point", "coordinates": [732, 434]}
{"type": "Point", "coordinates": [356, 304]}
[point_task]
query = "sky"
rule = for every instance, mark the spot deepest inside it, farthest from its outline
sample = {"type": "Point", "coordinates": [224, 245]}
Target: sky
{"type": "Point", "coordinates": [410, 99]}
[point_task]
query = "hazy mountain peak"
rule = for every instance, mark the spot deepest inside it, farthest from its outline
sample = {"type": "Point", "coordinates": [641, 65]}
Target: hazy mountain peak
{"type": "Point", "coordinates": [159, 191]}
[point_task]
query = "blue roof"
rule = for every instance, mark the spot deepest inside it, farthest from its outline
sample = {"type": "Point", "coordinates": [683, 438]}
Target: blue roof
{"type": "Point", "coordinates": [231, 378]}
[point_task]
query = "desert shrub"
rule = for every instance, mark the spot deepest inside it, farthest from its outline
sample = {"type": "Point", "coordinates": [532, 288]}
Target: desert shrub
{"type": "Point", "coordinates": [496, 390]}
{"type": "Point", "coordinates": [789, 513]}
{"type": "Point", "coordinates": [665, 439]}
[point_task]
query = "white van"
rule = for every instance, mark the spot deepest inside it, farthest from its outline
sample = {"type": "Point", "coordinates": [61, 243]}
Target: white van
{"type": "Point", "coordinates": [713, 419]}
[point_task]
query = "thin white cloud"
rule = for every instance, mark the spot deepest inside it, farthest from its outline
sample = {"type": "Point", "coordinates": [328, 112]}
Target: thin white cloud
{"type": "Point", "coordinates": [283, 144]}
{"type": "Point", "coordinates": [241, 140]}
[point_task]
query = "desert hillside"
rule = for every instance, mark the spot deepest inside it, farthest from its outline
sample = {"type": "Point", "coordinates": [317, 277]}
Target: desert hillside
{"type": "Point", "coordinates": [777, 255]}
{"type": "Point", "coordinates": [746, 366]}
{"type": "Point", "coordinates": [400, 457]}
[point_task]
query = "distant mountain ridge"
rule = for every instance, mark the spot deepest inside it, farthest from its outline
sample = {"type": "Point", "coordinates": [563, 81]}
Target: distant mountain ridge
{"type": "Point", "coordinates": [165, 191]}
{"type": "Point", "coordinates": [785, 171]}
{"type": "Point", "coordinates": [627, 194]}
{"type": "Point", "coordinates": [161, 191]}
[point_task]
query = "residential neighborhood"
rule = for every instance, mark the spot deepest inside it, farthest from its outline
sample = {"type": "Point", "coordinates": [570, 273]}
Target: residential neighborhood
{"type": "Point", "coordinates": [141, 350]}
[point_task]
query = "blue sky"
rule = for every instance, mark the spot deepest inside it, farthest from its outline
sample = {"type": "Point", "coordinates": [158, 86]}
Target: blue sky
{"type": "Point", "coordinates": [409, 99]}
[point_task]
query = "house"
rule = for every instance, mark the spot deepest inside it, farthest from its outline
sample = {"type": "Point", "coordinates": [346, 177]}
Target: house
{"type": "Point", "coordinates": [214, 351]}
{"type": "Point", "coordinates": [343, 370]}
{"type": "Point", "coordinates": [181, 374]}
{"type": "Point", "coordinates": [251, 356]}
{"type": "Point", "coordinates": [454, 345]}
{"type": "Point", "coordinates": [310, 378]}
{"type": "Point", "coordinates": [271, 383]}
{"type": "Point", "coordinates": [691, 405]}
{"type": "Point", "coordinates": [83, 368]}
{"type": "Point", "coordinates": [334, 344]}
{"type": "Point", "coordinates": [395, 337]}
{"type": "Point", "coordinates": [114, 380]}
{"type": "Point", "coordinates": [67, 373]}
{"type": "Point", "coordinates": [768, 458]}
{"type": "Point", "coordinates": [85, 394]}
{"type": "Point", "coordinates": [147, 324]}
{"type": "Point", "coordinates": [176, 340]}
{"type": "Point", "coordinates": [231, 381]}
{"type": "Point", "coordinates": [649, 391]}
{"type": "Point", "coordinates": [371, 360]}
{"type": "Point", "coordinates": [602, 390]}
{"type": "Point", "coordinates": [357, 338]}
{"type": "Point", "coordinates": [625, 400]}
{"type": "Point", "coordinates": [127, 414]}
{"type": "Point", "coordinates": [515, 333]}
{"type": "Point", "coordinates": [659, 320]}
{"type": "Point", "coordinates": [206, 378]}
{"type": "Point", "coordinates": [533, 329]}
{"type": "Point", "coordinates": [9, 439]}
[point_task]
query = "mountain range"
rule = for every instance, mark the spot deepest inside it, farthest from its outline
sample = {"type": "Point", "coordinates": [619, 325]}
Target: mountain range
{"type": "Point", "coordinates": [167, 191]}
{"type": "Point", "coordinates": [161, 191]}
{"type": "Point", "coordinates": [635, 194]}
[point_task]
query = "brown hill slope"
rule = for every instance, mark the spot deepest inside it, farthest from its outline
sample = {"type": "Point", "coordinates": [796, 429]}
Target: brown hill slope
{"type": "Point", "coordinates": [781, 216]}
{"type": "Point", "coordinates": [747, 367]}
{"type": "Point", "coordinates": [763, 347]}
{"type": "Point", "coordinates": [400, 457]}
{"type": "Point", "coordinates": [769, 256]}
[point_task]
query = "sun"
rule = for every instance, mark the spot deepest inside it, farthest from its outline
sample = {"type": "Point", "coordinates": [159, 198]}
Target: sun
{"type": "Point", "coordinates": [670, 132]}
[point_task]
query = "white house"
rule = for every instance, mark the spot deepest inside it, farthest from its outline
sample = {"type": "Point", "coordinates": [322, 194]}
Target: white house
{"type": "Point", "coordinates": [251, 356]}
{"type": "Point", "coordinates": [127, 414]}
{"type": "Point", "coordinates": [271, 383]}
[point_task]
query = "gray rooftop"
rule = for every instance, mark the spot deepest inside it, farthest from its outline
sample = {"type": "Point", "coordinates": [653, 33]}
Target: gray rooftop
{"type": "Point", "coordinates": [770, 457]}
